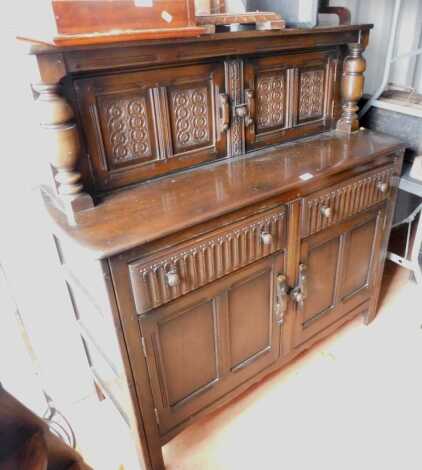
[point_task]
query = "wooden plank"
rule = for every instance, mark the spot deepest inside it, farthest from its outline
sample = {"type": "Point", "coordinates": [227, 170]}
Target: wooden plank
{"type": "Point", "coordinates": [112, 37]}
{"type": "Point", "coordinates": [96, 16]}
{"type": "Point", "coordinates": [265, 20]}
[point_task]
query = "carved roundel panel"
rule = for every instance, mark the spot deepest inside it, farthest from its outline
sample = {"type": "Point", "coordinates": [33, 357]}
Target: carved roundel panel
{"type": "Point", "coordinates": [126, 133]}
{"type": "Point", "coordinates": [271, 92]}
{"type": "Point", "coordinates": [190, 117]}
{"type": "Point", "coordinates": [311, 94]}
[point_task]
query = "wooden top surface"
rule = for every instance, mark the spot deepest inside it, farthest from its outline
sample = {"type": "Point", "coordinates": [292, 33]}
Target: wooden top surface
{"type": "Point", "coordinates": [47, 43]}
{"type": "Point", "coordinates": [162, 207]}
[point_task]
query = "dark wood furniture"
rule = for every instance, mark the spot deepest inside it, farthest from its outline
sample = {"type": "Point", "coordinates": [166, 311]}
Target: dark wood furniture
{"type": "Point", "coordinates": [202, 250]}
{"type": "Point", "coordinates": [27, 442]}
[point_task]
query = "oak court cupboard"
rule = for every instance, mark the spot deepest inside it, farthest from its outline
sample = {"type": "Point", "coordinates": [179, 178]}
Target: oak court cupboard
{"type": "Point", "coordinates": [216, 209]}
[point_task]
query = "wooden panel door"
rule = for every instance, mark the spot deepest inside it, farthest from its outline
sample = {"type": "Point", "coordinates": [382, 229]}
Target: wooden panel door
{"type": "Point", "coordinates": [339, 265]}
{"type": "Point", "coordinates": [204, 344]}
{"type": "Point", "coordinates": [289, 96]}
{"type": "Point", "coordinates": [144, 124]}
{"type": "Point", "coordinates": [253, 319]}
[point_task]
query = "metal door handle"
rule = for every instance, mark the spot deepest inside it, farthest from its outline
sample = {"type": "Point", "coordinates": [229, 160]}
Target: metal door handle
{"type": "Point", "coordinates": [282, 291]}
{"type": "Point", "coordinates": [300, 292]}
{"type": "Point", "coordinates": [225, 112]}
{"type": "Point", "coordinates": [250, 106]}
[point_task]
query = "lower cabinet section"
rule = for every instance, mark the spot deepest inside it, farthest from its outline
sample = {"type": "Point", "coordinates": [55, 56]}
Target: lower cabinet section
{"type": "Point", "coordinates": [211, 311]}
{"type": "Point", "coordinates": [203, 345]}
{"type": "Point", "coordinates": [338, 266]}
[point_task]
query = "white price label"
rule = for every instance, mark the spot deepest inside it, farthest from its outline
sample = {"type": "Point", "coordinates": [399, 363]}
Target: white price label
{"type": "Point", "coordinates": [166, 16]}
{"type": "Point", "coordinates": [143, 3]}
{"type": "Point", "coordinates": [306, 176]}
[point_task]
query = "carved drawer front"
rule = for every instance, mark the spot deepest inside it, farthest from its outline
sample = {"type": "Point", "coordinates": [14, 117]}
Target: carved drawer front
{"type": "Point", "coordinates": [144, 124]}
{"type": "Point", "coordinates": [331, 206]}
{"type": "Point", "coordinates": [163, 277]}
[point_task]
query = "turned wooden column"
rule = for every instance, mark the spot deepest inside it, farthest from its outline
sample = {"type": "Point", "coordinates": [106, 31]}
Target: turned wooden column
{"type": "Point", "coordinates": [352, 88]}
{"type": "Point", "coordinates": [62, 147]}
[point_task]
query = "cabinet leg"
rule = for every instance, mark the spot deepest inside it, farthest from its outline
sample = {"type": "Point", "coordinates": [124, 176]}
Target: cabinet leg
{"type": "Point", "coordinates": [369, 315]}
{"type": "Point", "coordinates": [157, 461]}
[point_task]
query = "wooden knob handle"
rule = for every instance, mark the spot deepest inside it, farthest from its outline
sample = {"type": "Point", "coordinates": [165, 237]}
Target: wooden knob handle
{"type": "Point", "coordinates": [327, 212]}
{"type": "Point", "coordinates": [382, 187]}
{"type": "Point", "coordinates": [266, 238]}
{"type": "Point", "coordinates": [172, 278]}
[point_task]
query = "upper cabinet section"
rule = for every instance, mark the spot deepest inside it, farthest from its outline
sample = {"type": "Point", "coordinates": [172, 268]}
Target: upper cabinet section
{"type": "Point", "coordinates": [289, 96]}
{"type": "Point", "coordinates": [136, 110]}
{"type": "Point", "coordinates": [145, 124]}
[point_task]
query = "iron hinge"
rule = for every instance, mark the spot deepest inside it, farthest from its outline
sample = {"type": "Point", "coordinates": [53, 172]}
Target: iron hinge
{"type": "Point", "coordinates": [144, 346]}
{"type": "Point", "coordinates": [157, 416]}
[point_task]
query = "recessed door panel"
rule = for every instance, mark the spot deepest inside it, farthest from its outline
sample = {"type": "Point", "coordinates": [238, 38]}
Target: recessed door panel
{"type": "Point", "coordinates": [250, 319]}
{"type": "Point", "coordinates": [358, 258]}
{"type": "Point", "coordinates": [187, 351]}
{"type": "Point", "coordinates": [321, 275]}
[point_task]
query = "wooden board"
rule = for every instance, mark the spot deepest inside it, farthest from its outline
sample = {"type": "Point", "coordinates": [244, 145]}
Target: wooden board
{"type": "Point", "coordinates": [101, 16]}
{"type": "Point", "coordinates": [68, 40]}
{"type": "Point", "coordinates": [262, 20]}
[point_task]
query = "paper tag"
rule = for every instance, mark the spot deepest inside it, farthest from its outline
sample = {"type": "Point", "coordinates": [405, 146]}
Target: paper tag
{"type": "Point", "coordinates": [143, 3]}
{"type": "Point", "coordinates": [166, 16]}
{"type": "Point", "coordinates": [306, 176]}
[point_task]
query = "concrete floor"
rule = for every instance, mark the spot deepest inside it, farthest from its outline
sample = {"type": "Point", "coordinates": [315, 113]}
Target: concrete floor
{"type": "Point", "coordinates": [354, 401]}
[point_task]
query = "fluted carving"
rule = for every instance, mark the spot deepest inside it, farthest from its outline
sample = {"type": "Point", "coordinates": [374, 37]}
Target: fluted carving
{"type": "Point", "coordinates": [352, 88]}
{"type": "Point", "coordinates": [63, 147]}
{"type": "Point", "coordinates": [198, 264]}
{"type": "Point", "coordinates": [347, 200]}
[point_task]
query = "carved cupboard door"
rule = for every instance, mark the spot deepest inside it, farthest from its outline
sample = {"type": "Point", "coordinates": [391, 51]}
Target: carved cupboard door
{"type": "Point", "coordinates": [204, 344]}
{"type": "Point", "coordinates": [143, 124]}
{"type": "Point", "coordinates": [288, 96]}
{"type": "Point", "coordinates": [338, 264]}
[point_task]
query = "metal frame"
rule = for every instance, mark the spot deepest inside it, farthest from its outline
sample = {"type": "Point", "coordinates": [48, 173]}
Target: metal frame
{"type": "Point", "coordinates": [373, 101]}
{"type": "Point", "coordinates": [412, 186]}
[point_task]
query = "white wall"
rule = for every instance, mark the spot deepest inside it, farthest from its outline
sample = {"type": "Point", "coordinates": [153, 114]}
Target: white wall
{"type": "Point", "coordinates": [26, 248]}
{"type": "Point", "coordinates": [406, 72]}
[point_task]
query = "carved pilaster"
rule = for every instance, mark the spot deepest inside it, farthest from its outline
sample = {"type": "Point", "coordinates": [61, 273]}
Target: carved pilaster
{"type": "Point", "coordinates": [352, 88]}
{"type": "Point", "coordinates": [62, 147]}
{"type": "Point", "coordinates": [234, 87]}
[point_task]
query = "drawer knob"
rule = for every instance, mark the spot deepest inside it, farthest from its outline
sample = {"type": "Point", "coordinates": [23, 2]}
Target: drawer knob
{"type": "Point", "coordinates": [172, 278]}
{"type": "Point", "coordinates": [266, 238]}
{"type": "Point", "coordinates": [382, 187]}
{"type": "Point", "coordinates": [327, 212]}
